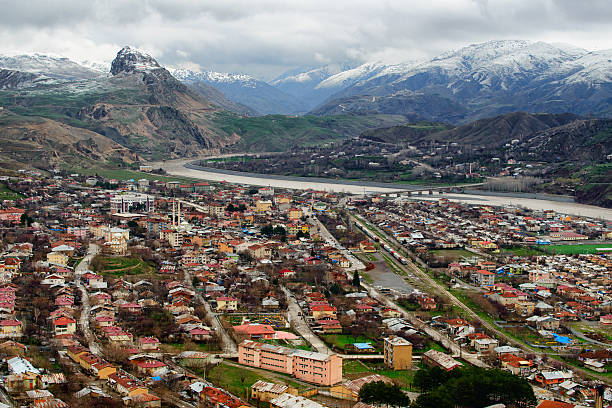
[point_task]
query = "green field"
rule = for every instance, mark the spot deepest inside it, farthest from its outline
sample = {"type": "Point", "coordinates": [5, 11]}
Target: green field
{"type": "Point", "coordinates": [119, 266]}
{"type": "Point", "coordinates": [522, 251]}
{"type": "Point", "coordinates": [281, 132]}
{"type": "Point", "coordinates": [238, 380]}
{"type": "Point", "coordinates": [455, 254]}
{"type": "Point", "coordinates": [574, 249]}
{"type": "Point", "coordinates": [8, 194]}
{"type": "Point", "coordinates": [342, 340]}
{"type": "Point", "coordinates": [353, 369]}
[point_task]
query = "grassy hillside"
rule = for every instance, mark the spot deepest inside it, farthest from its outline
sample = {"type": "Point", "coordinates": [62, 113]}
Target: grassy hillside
{"type": "Point", "coordinates": [279, 132]}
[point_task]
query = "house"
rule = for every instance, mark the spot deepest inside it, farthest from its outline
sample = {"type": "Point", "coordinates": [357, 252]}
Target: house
{"type": "Point", "coordinates": [144, 401]}
{"type": "Point", "coordinates": [605, 319]}
{"type": "Point", "coordinates": [148, 343]}
{"type": "Point", "coordinates": [516, 365]}
{"type": "Point", "coordinates": [255, 330]}
{"type": "Point", "coordinates": [11, 328]}
{"type": "Point", "coordinates": [228, 304]}
{"type": "Point", "coordinates": [323, 311]}
{"type": "Point", "coordinates": [196, 359]}
{"type": "Point", "coordinates": [64, 325]}
{"type": "Point", "coordinates": [350, 389]}
{"type": "Point", "coordinates": [483, 277]}
{"type": "Point", "coordinates": [435, 358]}
{"type": "Point", "coordinates": [218, 398]}
{"type": "Point", "coordinates": [553, 377]}
{"type": "Point", "coordinates": [126, 385]}
{"type": "Point", "coordinates": [293, 401]}
{"type": "Point", "coordinates": [266, 391]}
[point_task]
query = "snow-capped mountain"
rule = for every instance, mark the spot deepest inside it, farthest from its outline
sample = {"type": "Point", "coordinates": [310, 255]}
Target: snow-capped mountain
{"type": "Point", "coordinates": [130, 60]}
{"type": "Point", "coordinates": [303, 83]}
{"type": "Point", "coordinates": [486, 79]}
{"type": "Point", "coordinates": [243, 89]}
{"type": "Point", "coordinates": [48, 68]}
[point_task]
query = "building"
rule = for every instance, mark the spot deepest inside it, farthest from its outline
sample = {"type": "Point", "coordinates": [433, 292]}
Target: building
{"type": "Point", "coordinates": [317, 368]}
{"type": "Point", "coordinates": [266, 391]}
{"type": "Point", "coordinates": [398, 353]}
{"type": "Point", "coordinates": [483, 277]}
{"type": "Point", "coordinates": [10, 328]}
{"type": "Point", "coordinates": [124, 203]}
{"type": "Point", "coordinates": [64, 325]}
{"type": "Point", "coordinates": [293, 401]}
{"type": "Point", "coordinates": [228, 304]}
{"type": "Point", "coordinates": [435, 358]}
{"type": "Point", "coordinates": [350, 389]}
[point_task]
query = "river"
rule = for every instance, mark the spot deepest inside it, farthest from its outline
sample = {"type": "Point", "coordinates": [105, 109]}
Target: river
{"type": "Point", "coordinates": [177, 168]}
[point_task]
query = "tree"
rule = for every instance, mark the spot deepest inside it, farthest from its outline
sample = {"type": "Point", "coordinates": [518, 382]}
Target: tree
{"type": "Point", "coordinates": [356, 280]}
{"type": "Point", "coordinates": [380, 392]}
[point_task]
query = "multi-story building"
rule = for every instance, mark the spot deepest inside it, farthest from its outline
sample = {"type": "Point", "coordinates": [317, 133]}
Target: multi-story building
{"type": "Point", "coordinates": [398, 353]}
{"type": "Point", "coordinates": [317, 368]}
{"type": "Point", "coordinates": [123, 203]}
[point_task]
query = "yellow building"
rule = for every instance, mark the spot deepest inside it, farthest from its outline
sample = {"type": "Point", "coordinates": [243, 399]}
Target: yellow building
{"type": "Point", "coordinates": [10, 328]}
{"type": "Point", "coordinates": [350, 389]}
{"type": "Point", "coordinates": [263, 205]}
{"type": "Point", "coordinates": [227, 303]}
{"type": "Point", "coordinates": [295, 213]}
{"type": "Point", "coordinates": [58, 258]}
{"type": "Point", "coordinates": [398, 353]}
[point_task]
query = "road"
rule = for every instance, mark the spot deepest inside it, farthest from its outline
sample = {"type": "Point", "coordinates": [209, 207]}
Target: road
{"type": "Point", "coordinates": [356, 264]}
{"type": "Point", "coordinates": [82, 268]}
{"type": "Point", "coordinates": [410, 266]}
{"type": "Point", "coordinates": [300, 325]}
{"type": "Point", "coordinates": [228, 344]}
{"type": "Point", "coordinates": [420, 325]}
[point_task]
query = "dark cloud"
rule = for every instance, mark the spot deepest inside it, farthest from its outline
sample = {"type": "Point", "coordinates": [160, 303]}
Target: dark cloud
{"type": "Point", "coordinates": [268, 37]}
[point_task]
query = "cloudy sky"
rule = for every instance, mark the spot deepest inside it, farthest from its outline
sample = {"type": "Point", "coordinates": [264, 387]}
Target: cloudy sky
{"type": "Point", "coordinates": [267, 37]}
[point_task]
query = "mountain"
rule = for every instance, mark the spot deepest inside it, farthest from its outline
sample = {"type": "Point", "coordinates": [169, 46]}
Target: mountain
{"type": "Point", "coordinates": [58, 68]}
{"type": "Point", "coordinates": [140, 107]}
{"type": "Point", "coordinates": [257, 95]}
{"type": "Point", "coordinates": [139, 110]}
{"type": "Point", "coordinates": [488, 79]}
{"type": "Point", "coordinates": [215, 96]}
{"type": "Point", "coordinates": [303, 83]}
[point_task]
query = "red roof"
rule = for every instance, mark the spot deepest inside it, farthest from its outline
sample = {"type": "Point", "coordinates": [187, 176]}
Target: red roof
{"type": "Point", "coordinates": [63, 321]}
{"type": "Point", "coordinates": [10, 323]}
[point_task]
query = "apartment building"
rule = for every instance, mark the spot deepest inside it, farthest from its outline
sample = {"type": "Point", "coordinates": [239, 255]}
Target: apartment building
{"type": "Point", "coordinates": [307, 366]}
{"type": "Point", "coordinates": [398, 353]}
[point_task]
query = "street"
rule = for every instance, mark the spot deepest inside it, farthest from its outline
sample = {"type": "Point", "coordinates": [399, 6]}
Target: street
{"type": "Point", "coordinates": [82, 268]}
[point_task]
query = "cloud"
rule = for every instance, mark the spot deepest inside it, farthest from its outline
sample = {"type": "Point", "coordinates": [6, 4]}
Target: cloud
{"type": "Point", "coordinates": [267, 37]}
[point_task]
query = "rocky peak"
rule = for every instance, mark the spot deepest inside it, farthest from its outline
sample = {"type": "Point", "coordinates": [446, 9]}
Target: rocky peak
{"type": "Point", "coordinates": [131, 60]}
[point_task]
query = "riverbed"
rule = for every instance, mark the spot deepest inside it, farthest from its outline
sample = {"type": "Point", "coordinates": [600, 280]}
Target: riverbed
{"type": "Point", "coordinates": [177, 168]}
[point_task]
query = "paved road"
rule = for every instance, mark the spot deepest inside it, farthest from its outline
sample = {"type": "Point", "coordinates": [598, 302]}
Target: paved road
{"type": "Point", "coordinates": [228, 344]}
{"type": "Point", "coordinates": [300, 325]}
{"type": "Point", "coordinates": [81, 268]}
{"type": "Point", "coordinates": [356, 264]}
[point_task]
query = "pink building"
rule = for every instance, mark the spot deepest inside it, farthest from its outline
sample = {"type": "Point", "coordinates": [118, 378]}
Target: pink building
{"type": "Point", "coordinates": [307, 366]}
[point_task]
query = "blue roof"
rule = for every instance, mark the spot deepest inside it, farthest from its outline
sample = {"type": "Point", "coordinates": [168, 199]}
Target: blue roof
{"type": "Point", "coordinates": [561, 339]}
{"type": "Point", "coordinates": [363, 346]}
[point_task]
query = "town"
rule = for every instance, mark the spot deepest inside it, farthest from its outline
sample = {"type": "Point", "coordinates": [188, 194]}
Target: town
{"type": "Point", "coordinates": [176, 292]}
